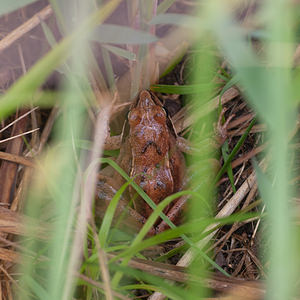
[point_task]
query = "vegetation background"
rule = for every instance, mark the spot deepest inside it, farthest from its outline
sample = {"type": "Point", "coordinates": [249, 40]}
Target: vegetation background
{"type": "Point", "coordinates": [70, 69]}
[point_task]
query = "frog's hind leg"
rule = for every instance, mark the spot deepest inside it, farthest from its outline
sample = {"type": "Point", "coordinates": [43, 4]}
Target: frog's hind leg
{"type": "Point", "coordinates": [124, 215]}
{"type": "Point", "coordinates": [173, 214]}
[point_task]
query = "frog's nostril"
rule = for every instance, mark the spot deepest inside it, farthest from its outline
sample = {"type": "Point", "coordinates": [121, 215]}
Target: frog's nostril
{"type": "Point", "coordinates": [145, 100]}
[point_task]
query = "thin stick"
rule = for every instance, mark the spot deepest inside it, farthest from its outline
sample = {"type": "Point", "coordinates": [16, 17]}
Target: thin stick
{"type": "Point", "coordinates": [257, 224]}
{"type": "Point", "coordinates": [244, 158]}
{"type": "Point", "coordinates": [18, 119]}
{"type": "Point", "coordinates": [214, 281]}
{"type": "Point", "coordinates": [18, 135]}
{"type": "Point", "coordinates": [47, 128]}
{"type": "Point", "coordinates": [25, 27]}
{"type": "Point", "coordinates": [16, 159]}
{"type": "Point", "coordinates": [9, 276]}
{"type": "Point", "coordinates": [180, 125]}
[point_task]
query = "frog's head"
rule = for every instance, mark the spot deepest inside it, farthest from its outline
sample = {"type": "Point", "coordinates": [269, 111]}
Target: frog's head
{"type": "Point", "coordinates": [146, 100]}
{"type": "Point", "coordinates": [147, 110]}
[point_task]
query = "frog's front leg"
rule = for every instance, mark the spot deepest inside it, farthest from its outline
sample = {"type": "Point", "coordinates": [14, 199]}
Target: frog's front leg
{"type": "Point", "coordinates": [184, 145]}
{"type": "Point", "coordinates": [113, 142]}
{"type": "Point", "coordinates": [173, 214]}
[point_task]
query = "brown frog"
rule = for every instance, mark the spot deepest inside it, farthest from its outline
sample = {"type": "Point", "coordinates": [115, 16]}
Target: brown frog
{"type": "Point", "coordinates": [151, 155]}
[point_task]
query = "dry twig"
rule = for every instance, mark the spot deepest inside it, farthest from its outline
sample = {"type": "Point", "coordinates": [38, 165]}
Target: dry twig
{"type": "Point", "coordinates": [26, 27]}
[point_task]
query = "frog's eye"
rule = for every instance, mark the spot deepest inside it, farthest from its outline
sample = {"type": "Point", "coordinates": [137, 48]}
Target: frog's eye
{"type": "Point", "coordinates": [160, 115]}
{"type": "Point", "coordinates": [134, 117]}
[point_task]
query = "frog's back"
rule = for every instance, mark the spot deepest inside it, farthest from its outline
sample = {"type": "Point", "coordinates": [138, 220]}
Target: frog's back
{"type": "Point", "coordinates": [157, 164]}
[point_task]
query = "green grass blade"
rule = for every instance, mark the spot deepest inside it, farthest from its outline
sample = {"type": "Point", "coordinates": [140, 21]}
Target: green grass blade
{"type": "Point", "coordinates": [162, 215]}
{"type": "Point", "coordinates": [171, 253]}
{"type": "Point", "coordinates": [109, 214]}
{"type": "Point", "coordinates": [8, 6]}
{"type": "Point", "coordinates": [192, 227]}
{"type": "Point", "coordinates": [37, 289]}
{"type": "Point", "coordinates": [267, 82]}
{"type": "Point", "coordinates": [116, 34]}
{"type": "Point", "coordinates": [178, 89]}
{"type": "Point", "coordinates": [156, 213]}
{"type": "Point", "coordinates": [48, 34]}
{"type": "Point", "coordinates": [175, 19]}
{"type": "Point", "coordinates": [109, 69]}
{"type": "Point", "coordinates": [164, 6]}
{"type": "Point", "coordinates": [225, 150]}
{"type": "Point", "coordinates": [234, 151]}
{"type": "Point", "coordinates": [120, 52]}
{"type": "Point", "coordinates": [156, 283]}
{"type": "Point", "coordinates": [233, 81]}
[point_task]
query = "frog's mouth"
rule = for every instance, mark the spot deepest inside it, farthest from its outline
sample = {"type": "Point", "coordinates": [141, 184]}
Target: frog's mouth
{"type": "Point", "coordinates": [152, 143]}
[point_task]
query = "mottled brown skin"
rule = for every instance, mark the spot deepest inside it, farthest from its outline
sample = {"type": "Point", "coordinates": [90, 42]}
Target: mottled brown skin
{"type": "Point", "coordinates": [157, 164]}
{"type": "Point", "coordinates": [150, 154]}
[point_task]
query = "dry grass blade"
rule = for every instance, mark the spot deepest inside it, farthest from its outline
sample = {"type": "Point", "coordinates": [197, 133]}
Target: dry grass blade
{"type": "Point", "coordinates": [102, 258]}
{"type": "Point", "coordinates": [47, 129]}
{"type": "Point", "coordinates": [167, 271]}
{"type": "Point", "coordinates": [243, 120]}
{"type": "Point", "coordinates": [214, 281]}
{"type": "Point", "coordinates": [16, 159]}
{"type": "Point", "coordinates": [13, 223]}
{"type": "Point", "coordinates": [9, 255]}
{"type": "Point", "coordinates": [244, 158]}
{"type": "Point", "coordinates": [19, 135]}
{"type": "Point", "coordinates": [226, 211]}
{"type": "Point", "coordinates": [235, 226]}
{"type": "Point", "coordinates": [182, 121]}
{"type": "Point", "coordinates": [18, 119]}
{"type": "Point", "coordinates": [9, 277]}
{"type": "Point", "coordinates": [99, 140]}
{"type": "Point", "coordinates": [88, 196]}
{"type": "Point", "coordinates": [8, 170]}
{"type": "Point", "coordinates": [18, 200]}
{"type": "Point", "coordinates": [174, 44]}
{"type": "Point", "coordinates": [245, 292]}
